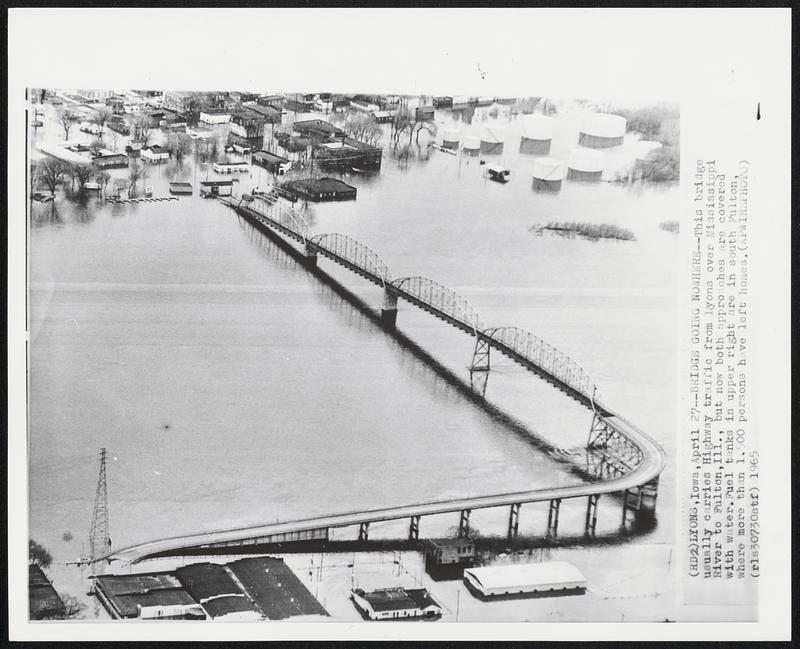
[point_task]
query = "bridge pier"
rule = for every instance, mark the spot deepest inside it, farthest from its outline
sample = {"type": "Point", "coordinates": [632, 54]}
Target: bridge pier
{"type": "Point", "coordinates": [463, 523]}
{"type": "Point", "coordinates": [640, 499]}
{"type": "Point", "coordinates": [363, 532]}
{"type": "Point", "coordinates": [513, 521]}
{"type": "Point", "coordinates": [413, 529]}
{"type": "Point", "coordinates": [552, 519]}
{"type": "Point", "coordinates": [310, 256]}
{"type": "Point", "coordinates": [389, 308]}
{"type": "Point", "coordinates": [591, 515]}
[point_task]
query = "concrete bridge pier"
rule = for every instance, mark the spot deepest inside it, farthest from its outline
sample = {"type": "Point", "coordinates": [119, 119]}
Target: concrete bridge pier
{"type": "Point", "coordinates": [463, 523]}
{"type": "Point", "coordinates": [310, 256]}
{"type": "Point", "coordinates": [363, 532]}
{"type": "Point", "coordinates": [591, 514]}
{"type": "Point", "coordinates": [640, 499]}
{"type": "Point", "coordinates": [413, 529]}
{"type": "Point", "coordinates": [389, 308]}
{"type": "Point", "coordinates": [513, 521]}
{"type": "Point", "coordinates": [552, 519]}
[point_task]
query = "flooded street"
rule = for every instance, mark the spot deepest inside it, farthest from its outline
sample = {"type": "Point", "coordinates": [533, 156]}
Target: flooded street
{"type": "Point", "coordinates": [230, 386]}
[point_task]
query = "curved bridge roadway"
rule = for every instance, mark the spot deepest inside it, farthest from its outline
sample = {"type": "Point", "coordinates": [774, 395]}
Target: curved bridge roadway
{"type": "Point", "coordinates": [643, 462]}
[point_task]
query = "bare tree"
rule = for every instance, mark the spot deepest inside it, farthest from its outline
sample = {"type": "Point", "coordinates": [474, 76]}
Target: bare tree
{"type": "Point", "coordinates": [364, 128]}
{"type": "Point", "coordinates": [38, 555]}
{"type": "Point", "coordinates": [120, 185]}
{"type": "Point", "coordinates": [33, 178]}
{"type": "Point", "coordinates": [136, 172]}
{"type": "Point", "coordinates": [141, 128]}
{"type": "Point", "coordinates": [403, 120]}
{"type": "Point", "coordinates": [66, 118]}
{"type": "Point", "coordinates": [51, 173]}
{"type": "Point", "coordinates": [103, 177]}
{"type": "Point", "coordinates": [424, 125]}
{"type": "Point", "coordinates": [100, 118]}
{"type": "Point", "coordinates": [179, 145]}
{"type": "Point", "coordinates": [83, 174]}
{"type": "Point", "coordinates": [96, 146]}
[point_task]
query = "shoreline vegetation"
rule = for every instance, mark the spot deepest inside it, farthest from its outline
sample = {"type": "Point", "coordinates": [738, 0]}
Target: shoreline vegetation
{"type": "Point", "coordinates": [591, 231]}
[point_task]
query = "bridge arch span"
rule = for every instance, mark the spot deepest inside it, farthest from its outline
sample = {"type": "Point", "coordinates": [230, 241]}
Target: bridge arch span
{"type": "Point", "coordinates": [346, 248]}
{"type": "Point", "coordinates": [442, 298]}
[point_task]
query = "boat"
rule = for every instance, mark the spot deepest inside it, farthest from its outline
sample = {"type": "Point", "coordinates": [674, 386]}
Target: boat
{"type": "Point", "coordinates": [497, 173]}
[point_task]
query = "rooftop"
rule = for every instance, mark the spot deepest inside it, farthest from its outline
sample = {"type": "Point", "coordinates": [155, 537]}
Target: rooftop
{"type": "Point", "coordinates": [395, 599]}
{"type": "Point", "coordinates": [526, 574]}
{"type": "Point", "coordinates": [227, 604]}
{"type": "Point", "coordinates": [269, 156]}
{"type": "Point", "coordinates": [320, 185]}
{"type": "Point", "coordinates": [43, 600]}
{"type": "Point", "coordinates": [275, 588]}
{"type": "Point", "coordinates": [204, 580]}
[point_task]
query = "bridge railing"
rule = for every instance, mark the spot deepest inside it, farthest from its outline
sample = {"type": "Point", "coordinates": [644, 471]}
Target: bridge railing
{"type": "Point", "coordinates": [442, 298]}
{"type": "Point", "coordinates": [286, 215]}
{"type": "Point", "coordinates": [544, 355]}
{"type": "Point", "coordinates": [354, 252]}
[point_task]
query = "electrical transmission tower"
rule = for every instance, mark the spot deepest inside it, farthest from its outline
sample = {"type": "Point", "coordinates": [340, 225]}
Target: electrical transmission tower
{"type": "Point", "coordinates": [99, 535]}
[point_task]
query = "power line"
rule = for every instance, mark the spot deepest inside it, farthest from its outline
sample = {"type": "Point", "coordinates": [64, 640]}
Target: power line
{"type": "Point", "coordinates": [99, 535]}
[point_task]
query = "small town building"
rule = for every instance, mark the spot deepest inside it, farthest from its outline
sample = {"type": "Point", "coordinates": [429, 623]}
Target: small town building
{"type": "Point", "coordinates": [498, 173]}
{"type": "Point", "coordinates": [425, 113]}
{"type": "Point", "coordinates": [527, 579]}
{"type": "Point", "coordinates": [231, 167]}
{"type": "Point", "coordinates": [442, 102]}
{"type": "Point", "coordinates": [395, 604]}
{"type": "Point", "coordinates": [43, 600]}
{"type": "Point", "coordinates": [94, 95]}
{"type": "Point", "coordinates": [383, 116]}
{"type": "Point", "coordinates": [269, 114]}
{"type": "Point", "coordinates": [89, 127]}
{"type": "Point", "coordinates": [214, 117]}
{"type": "Point", "coordinates": [272, 162]}
{"type": "Point", "coordinates": [346, 153]}
{"type": "Point", "coordinates": [134, 149]}
{"type": "Point", "coordinates": [317, 129]}
{"type": "Point", "coordinates": [320, 189]}
{"type": "Point", "coordinates": [118, 126]}
{"type": "Point", "coordinates": [210, 188]}
{"type": "Point", "coordinates": [602, 131]}
{"type": "Point", "coordinates": [446, 558]}
{"type": "Point", "coordinates": [110, 160]}
{"type": "Point", "coordinates": [180, 187]}
{"type": "Point", "coordinates": [154, 154]}
{"type": "Point", "coordinates": [274, 588]}
{"type": "Point", "coordinates": [154, 596]}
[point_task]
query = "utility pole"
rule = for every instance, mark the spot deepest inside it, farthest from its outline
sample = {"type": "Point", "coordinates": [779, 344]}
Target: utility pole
{"type": "Point", "coordinates": [99, 535]}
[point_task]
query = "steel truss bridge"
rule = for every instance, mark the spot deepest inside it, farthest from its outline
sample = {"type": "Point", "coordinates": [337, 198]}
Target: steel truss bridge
{"type": "Point", "coordinates": [624, 458]}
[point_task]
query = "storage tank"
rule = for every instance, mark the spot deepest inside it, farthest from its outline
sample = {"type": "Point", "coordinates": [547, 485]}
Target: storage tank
{"type": "Point", "coordinates": [472, 145]}
{"type": "Point", "coordinates": [548, 174]}
{"type": "Point", "coordinates": [602, 130]}
{"type": "Point", "coordinates": [492, 138]}
{"type": "Point", "coordinates": [585, 164]}
{"type": "Point", "coordinates": [537, 133]}
{"type": "Point", "coordinates": [450, 138]}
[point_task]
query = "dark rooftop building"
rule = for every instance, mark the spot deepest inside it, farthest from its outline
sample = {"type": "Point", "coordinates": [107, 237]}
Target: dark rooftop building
{"type": "Point", "coordinates": [148, 596]}
{"type": "Point", "coordinates": [43, 600]}
{"type": "Point", "coordinates": [275, 588]}
{"type": "Point", "coordinates": [205, 580]}
{"type": "Point", "coordinates": [269, 113]}
{"type": "Point", "coordinates": [320, 189]}
{"type": "Point", "coordinates": [272, 162]}
{"type": "Point", "coordinates": [317, 128]}
{"type": "Point", "coordinates": [231, 605]}
{"type": "Point", "coordinates": [447, 558]}
{"type": "Point", "coordinates": [347, 153]}
{"type": "Point", "coordinates": [425, 112]}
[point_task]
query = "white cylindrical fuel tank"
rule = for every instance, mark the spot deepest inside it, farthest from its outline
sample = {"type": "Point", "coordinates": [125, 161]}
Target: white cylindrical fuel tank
{"type": "Point", "coordinates": [472, 145]}
{"type": "Point", "coordinates": [450, 138]}
{"type": "Point", "coordinates": [492, 139]}
{"type": "Point", "coordinates": [602, 130]}
{"type": "Point", "coordinates": [548, 174]}
{"type": "Point", "coordinates": [537, 133]}
{"type": "Point", "coordinates": [585, 164]}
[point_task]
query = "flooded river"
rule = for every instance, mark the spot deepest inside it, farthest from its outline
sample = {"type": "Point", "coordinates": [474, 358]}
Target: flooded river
{"type": "Point", "coordinates": [230, 386]}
